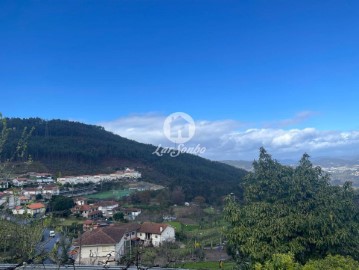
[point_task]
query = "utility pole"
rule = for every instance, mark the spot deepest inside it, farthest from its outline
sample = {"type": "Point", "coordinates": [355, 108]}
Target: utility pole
{"type": "Point", "coordinates": [80, 247]}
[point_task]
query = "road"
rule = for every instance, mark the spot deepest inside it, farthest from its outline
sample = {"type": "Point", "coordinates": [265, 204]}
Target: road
{"type": "Point", "coordinates": [48, 244]}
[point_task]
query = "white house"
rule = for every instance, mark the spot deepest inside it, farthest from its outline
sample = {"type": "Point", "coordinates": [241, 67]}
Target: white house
{"type": "Point", "coordinates": [19, 182]}
{"type": "Point", "coordinates": [3, 198]}
{"type": "Point", "coordinates": [4, 184]}
{"type": "Point", "coordinates": [18, 210]}
{"type": "Point", "coordinates": [32, 209]}
{"type": "Point", "coordinates": [107, 208]}
{"type": "Point", "coordinates": [128, 173]}
{"type": "Point", "coordinates": [80, 200]}
{"type": "Point", "coordinates": [50, 190]}
{"type": "Point", "coordinates": [131, 213]}
{"type": "Point", "coordinates": [155, 234]}
{"type": "Point", "coordinates": [31, 192]}
{"type": "Point", "coordinates": [105, 243]}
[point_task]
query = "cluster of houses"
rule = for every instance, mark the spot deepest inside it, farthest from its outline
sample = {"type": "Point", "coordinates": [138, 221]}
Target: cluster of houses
{"type": "Point", "coordinates": [101, 238]}
{"type": "Point", "coordinates": [21, 201]}
{"type": "Point", "coordinates": [105, 209]}
{"type": "Point", "coordinates": [82, 179]}
{"type": "Point", "coordinates": [30, 178]}
{"type": "Point", "coordinates": [115, 241]}
{"type": "Point", "coordinates": [33, 209]}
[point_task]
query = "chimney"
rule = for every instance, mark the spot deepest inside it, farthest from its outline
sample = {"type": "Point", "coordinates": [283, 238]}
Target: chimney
{"type": "Point", "coordinates": [161, 229]}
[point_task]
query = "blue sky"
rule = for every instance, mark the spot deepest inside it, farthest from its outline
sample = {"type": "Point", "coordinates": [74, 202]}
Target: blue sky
{"type": "Point", "coordinates": [264, 65]}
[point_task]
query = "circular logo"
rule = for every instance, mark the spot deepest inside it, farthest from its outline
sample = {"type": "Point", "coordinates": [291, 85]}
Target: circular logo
{"type": "Point", "coordinates": [179, 127]}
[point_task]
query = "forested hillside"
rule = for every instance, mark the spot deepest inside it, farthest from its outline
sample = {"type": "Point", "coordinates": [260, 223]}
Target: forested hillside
{"type": "Point", "coordinates": [70, 148]}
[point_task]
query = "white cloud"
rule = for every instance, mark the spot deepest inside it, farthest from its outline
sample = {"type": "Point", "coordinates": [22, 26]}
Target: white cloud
{"type": "Point", "coordinates": [228, 139]}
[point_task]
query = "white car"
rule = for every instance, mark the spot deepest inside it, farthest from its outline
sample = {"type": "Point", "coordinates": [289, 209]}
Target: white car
{"type": "Point", "coordinates": [52, 234]}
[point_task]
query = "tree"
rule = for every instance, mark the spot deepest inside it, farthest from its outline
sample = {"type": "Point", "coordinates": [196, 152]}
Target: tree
{"type": "Point", "coordinates": [59, 253]}
{"type": "Point", "coordinates": [178, 195]}
{"type": "Point", "coordinates": [279, 262]}
{"type": "Point", "coordinates": [330, 262]}
{"type": "Point", "coordinates": [200, 200]}
{"type": "Point", "coordinates": [294, 210]}
{"type": "Point", "coordinates": [18, 237]}
{"type": "Point", "coordinates": [61, 205]}
{"type": "Point", "coordinates": [119, 216]}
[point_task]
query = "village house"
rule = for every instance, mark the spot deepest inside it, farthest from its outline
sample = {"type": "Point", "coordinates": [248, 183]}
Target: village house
{"type": "Point", "coordinates": [19, 210]}
{"type": "Point", "coordinates": [50, 190]}
{"type": "Point", "coordinates": [47, 191]}
{"type": "Point", "coordinates": [86, 211]}
{"type": "Point", "coordinates": [81, 179]}
{"type": "Point", "coordinates": [130, 213]}
{"type": "Point", "coordinates": [107, 208]}
{"type": "Point", "coordinates": [3, 198]}
{"type": "Point", "coordinates": [4, 184]}
{"type": "Point", "coordinates": [89, 224]}
{"type": "Point", "coordinates": [98, 244]}
{"type": "Point", "coordinates": [24, 200]}
{"type": "Point", "coordinates": [104, 243]}
{"type": "Point", "coordinates": [80, 200]}
{"type": "Point", "coordinates": [20, 181]}
{"type": "Point", "coordinates": [34, 209]}
{"type": "Point", "coordinates": [154, 234]}
{"type": "Point", "coordinates": [31, 192]}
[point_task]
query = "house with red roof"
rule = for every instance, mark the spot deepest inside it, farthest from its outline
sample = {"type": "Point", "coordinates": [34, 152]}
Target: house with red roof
{"type": "Point", "coordinates": [154, 234]}
{"type": "Point", "coordinates": [86, 210]}
{"type": "Point", "coordinates": [105, 243]}
{"type": "Point", "coordinates": [33, 209]}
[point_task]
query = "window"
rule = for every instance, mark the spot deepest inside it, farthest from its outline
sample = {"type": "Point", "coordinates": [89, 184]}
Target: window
{"type": "Point", "coordinates": [133, 233]}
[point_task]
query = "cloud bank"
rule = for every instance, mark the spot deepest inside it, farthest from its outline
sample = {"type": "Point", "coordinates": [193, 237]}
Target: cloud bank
{"type": "Point", "coordinates": [230, 139]}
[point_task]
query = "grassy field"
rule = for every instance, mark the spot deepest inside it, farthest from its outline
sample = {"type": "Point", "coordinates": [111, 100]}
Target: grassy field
{"type": "Point", "coordinates": [110, 194]}
{"type": "Point", "coordinates": [207, 265]}
{"type": "Point", "coordinates": [187, 228]}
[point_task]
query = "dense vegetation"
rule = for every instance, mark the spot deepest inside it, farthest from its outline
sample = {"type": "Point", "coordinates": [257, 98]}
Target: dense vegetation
{"type": "Point", "coordinates": [292, 210]}
{"type": "Point", "coordinates": [66, 148]}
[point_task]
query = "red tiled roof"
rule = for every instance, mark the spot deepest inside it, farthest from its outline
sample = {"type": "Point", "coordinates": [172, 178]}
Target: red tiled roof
{"type": "Point", "coordinates": [155, 228]}
{"type": "Point", "coordinates": [34, 206]}
{"type": "Point", "coordinates": [110, 235]}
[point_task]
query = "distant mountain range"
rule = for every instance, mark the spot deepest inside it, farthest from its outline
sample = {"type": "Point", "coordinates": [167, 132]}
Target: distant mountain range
{"type": "Point", "coordinates": [72, 148]}
{"type": "Point", "coordinates": [340, 169]}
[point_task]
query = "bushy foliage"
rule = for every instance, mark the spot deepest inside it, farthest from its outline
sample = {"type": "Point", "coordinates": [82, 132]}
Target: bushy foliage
{"type": "Point", "coordinates": [295, 210]}
{"type": "Point", "coordinates": [287, 262]}
{"type": "Point", "coordinates": [279, 262]}
{"type": "Point", "coordinates": [61, 205]}
{"type": "Point", "coordinates": [330, 262]}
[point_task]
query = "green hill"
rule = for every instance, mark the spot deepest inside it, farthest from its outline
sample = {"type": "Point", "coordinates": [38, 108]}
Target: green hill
{"type": "Point", "coordinates": [72, 148]}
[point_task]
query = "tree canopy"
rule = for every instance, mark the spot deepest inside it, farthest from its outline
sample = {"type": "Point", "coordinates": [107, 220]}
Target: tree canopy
{"type": "Point", "coordinates": [286, 209]}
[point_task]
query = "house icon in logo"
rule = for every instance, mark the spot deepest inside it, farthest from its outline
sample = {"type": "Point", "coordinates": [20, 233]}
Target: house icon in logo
{"type": "Point", "coordinates": [179, 127]}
